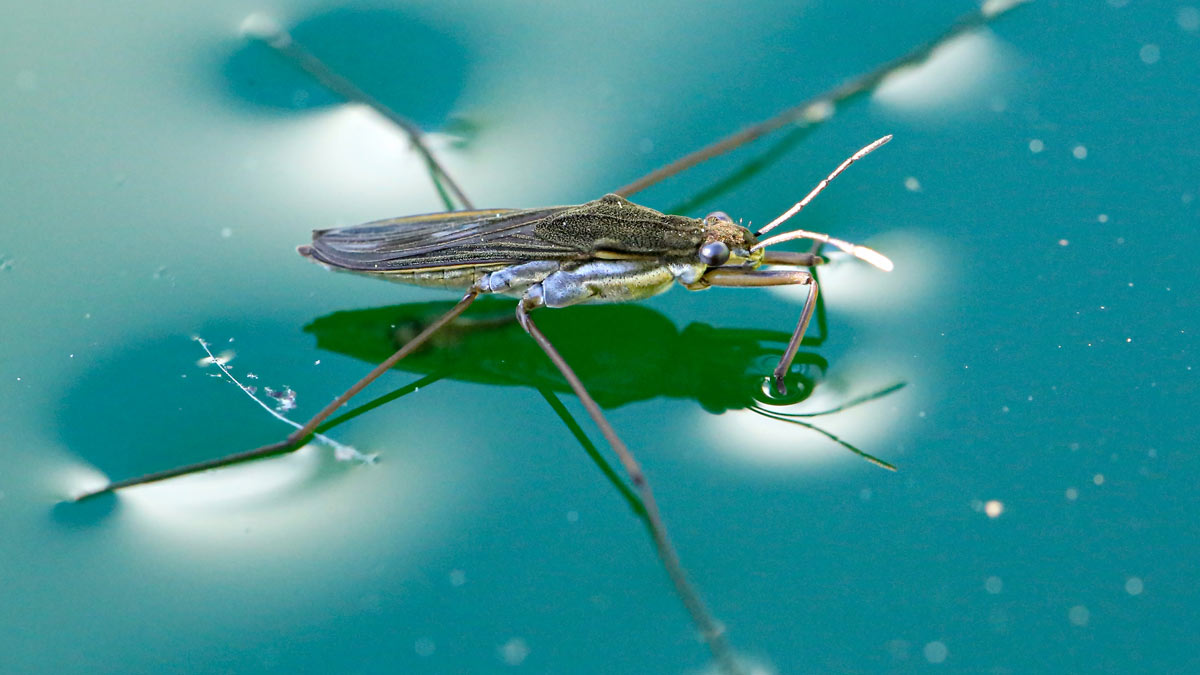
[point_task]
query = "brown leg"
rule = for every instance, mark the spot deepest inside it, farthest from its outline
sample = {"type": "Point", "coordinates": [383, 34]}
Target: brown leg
{"type": "Point", "coordinates": [299, 436]}
{"type": "Point", "coordinates": [817, 108]}
{"type": "Point", "coordinates": [719, 277]}
{"type": "Point", "coordinates": [281, 41]}
{"type": "Point", "coordinates": [710, 629]}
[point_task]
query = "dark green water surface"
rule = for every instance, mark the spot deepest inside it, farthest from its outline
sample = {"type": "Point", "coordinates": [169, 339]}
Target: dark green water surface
{"type": "Point", "coordinates": [1034, 351]}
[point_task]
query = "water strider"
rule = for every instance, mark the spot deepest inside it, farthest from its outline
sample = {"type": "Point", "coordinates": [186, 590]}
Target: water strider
{"type": "Point", "coordinates": [606, 251]}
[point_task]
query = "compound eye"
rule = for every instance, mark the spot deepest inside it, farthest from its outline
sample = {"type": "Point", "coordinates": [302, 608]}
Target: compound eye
{"type": "Point", "coordinates": [714, 253]}
{"type": "Point", "coordinates": [719, 215]}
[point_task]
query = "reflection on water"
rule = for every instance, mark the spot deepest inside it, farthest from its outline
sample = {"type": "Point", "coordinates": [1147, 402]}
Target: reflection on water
{"type": "Point", "coordinates": [722, 369]}
{"type": "Point", "coordinates": [386, 52]}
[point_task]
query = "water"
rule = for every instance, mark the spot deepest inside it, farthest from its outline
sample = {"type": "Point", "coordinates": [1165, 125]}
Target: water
{"type": "Point", "coordinates": [1041, 206]}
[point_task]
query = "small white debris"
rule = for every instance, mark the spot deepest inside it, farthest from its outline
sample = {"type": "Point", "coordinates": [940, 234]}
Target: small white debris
{"type": "Point", "coordinates": [1098, 479]}
{"type": "Point", "coordinates": [1063, 242]}
{"type": "Point", "coordinates": [1079, 151]}
{"type": "Point", "coordinates": [285, 399]}
{"type": "Point", "coordinates": [1072, 494]}
{"type": "Point", "coordinates": [912, 184]}
{"type": "Point", "coordinates": [220, 359]}
{"type": "Point", "coordinates": [1036, 146]}
{"type": "Point", "coordinates": [1149, 54]}
{"type": "Point", "coordinates": [936, 651]}
{"type": "Point", "coordinates": [1079, 615]}
{"type": "Point", "coordinates": [1102, 218]}
{"type": "Point", "coordinates": [993, 508]}
{"type": "Point", "coordinates": [514, 651]}
{"type": "Point", "coordinates": [1188, 19]}
{"type": "Point", "coordinates": [1134, 586]}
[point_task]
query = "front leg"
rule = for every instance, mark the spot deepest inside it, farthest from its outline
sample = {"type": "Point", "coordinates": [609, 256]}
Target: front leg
{"type": "Point", "coordinates": [754, 278]}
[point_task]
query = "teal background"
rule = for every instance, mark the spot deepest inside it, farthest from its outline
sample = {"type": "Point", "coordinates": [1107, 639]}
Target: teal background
{"type": "Point", "coordinates": [157, 171]}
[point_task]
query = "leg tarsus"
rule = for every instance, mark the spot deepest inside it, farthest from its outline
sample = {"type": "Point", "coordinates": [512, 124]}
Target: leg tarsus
{"type": "Point", "coordinates": [709, 627]}
{"type": "Point", "coordinates": [785, 361]}
{"type": "Point", "coordinates": [297, 437]}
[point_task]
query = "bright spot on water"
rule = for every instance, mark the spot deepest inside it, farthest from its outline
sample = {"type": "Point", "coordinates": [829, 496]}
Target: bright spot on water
{"type": "Point", "coordinates": [80, 479]}
{"type": "Point", "coordinates": [1102, 218]}
{"type": "Point", "coordinates": [1079, 151]}
{"type": "Point", "coordinates": [1188, 19]}
{"type": "Point", "coordinates": [514, 651]}
{"type": "Point", "coordinates": [1149, 54]}
{"type": "Point", "coordinates": [953, 71]}
{"type": "Point", "coordinates": [1079, 615]}
{"type": "Point", "coordinates": [850, 285]}
{"type": "Point", "coordinates": [1063, 242]}
{"type": "Point", "coordinates": [259, 26]}
{"type": "Point", "coordinates": [912, 184]}
{"type": "Point", "coordinates": [993, 508]}
{"type": "Point", "coordinates": [226, 232]}
{"type": "Point", "coordinates": [819, 111]}
{"type": "Point", "coordinates": [1098, 479]}
{"type": "Point", "coordinates": [1072, 494]}
{"type": "Point", "coordinates": [1036, 146]}
{"type": "Point", "coordinates": [936, 651]}
{"type": "Point", "coordinates": [993, 585]}
{"type": "Point", "coordinates": [228, 488]}
{"type": "Point", "coordinates": [1134, 586]}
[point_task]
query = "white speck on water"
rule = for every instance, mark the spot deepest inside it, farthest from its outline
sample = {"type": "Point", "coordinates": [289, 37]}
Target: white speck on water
{"type": "Point", "coordinates": [936, 651]}
{"type": "Point", "coordinates": [1134, 586]}
{"type": "Point", "coordinates": [1098, 479]}
{"type": "Point", "coordinates": [457, 578]}
{"type": "Point", "coordinates": [1072, 494]}
{"type": "Point", "coordinates": [424, 647]}
{"type": "Point", "coordinates": [1079, 615]}
{"type": "Point", "coordinates": [1102, 218]}
{"type": "Point", "coordinates": [1036, 146]}
{"type": "Point", "coordinates": [1188, 19]}
{"type": "Point", "coordinates": [251, 376]}
{"type": "Point", "coordinates": [226, 232]}
{"type": "Point", "coordinates": [1149, 54]}
{"type": "Point", "coordinates": [1079, 151]}
{"type": "Point", "coordinates": [1063, 242]}
{"type": "Point", "coordinates": [912, 184]}
{"type": "Point", "coordinates": [317, 362]}
{"type": "Point", "coordinates": [993, 585]}
{"type": "Point", "coordinates": [993, 508]}
{"type": "Point", "coordinates": [514, 651]}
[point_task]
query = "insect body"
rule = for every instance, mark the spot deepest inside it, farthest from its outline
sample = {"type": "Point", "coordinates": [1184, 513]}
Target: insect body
{"type": "Point", "coordinates": [607, 250]}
